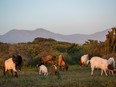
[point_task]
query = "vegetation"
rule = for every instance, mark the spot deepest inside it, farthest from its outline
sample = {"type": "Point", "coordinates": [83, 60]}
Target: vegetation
{"type": "Point", "coordinates": [110, 43]}
{"type": "Point", "coordinates": [32, 51]}
{"type": "Point", "coordinates": [75, 77]}
{"type": "Point", "coordinates": [40, 47]}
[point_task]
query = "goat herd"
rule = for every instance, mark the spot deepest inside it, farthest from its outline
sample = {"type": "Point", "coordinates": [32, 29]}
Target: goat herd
{"type": "Point", "coordinates": [100, 63]}
{"type": "Point", "coordinates": [13, 64]}
{"type": "Point", "coordinates": [54, 70]}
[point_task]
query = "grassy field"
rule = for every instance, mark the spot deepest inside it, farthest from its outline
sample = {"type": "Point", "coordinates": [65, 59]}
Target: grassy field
{"type": "Point", "coordinates": [75, 77]}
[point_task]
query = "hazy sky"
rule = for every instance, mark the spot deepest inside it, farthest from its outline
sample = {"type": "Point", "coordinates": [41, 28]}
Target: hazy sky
{"type": "Point", "coordinates": [59, 16]}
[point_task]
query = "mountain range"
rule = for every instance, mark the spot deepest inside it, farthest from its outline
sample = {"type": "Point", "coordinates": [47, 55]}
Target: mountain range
{"type": "Point", "coordinates": [17, 36]}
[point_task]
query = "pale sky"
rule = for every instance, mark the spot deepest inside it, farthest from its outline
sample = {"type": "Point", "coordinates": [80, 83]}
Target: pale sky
{"type": "Point", "coordinates": [59, 16]}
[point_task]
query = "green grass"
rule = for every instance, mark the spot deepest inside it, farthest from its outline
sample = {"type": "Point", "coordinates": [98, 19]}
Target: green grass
{"type": "Point", "coordinates": [75, 77]}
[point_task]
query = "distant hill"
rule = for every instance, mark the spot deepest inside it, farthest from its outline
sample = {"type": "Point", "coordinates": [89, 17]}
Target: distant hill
{"type": "Point", "coordinates": [16, 36]}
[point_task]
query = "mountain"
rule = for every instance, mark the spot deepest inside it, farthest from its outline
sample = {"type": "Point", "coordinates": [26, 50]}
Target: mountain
{"type": "Point", "coordinates": [16, 36]}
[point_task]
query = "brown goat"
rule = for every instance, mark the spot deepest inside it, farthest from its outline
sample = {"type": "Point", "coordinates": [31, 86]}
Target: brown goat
{"type": "Point", "coordinates": [61, 63]}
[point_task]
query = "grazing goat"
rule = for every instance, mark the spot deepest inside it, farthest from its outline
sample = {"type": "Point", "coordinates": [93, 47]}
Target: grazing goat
{"type": "Point", "coordinates": [48, 59]}
{"type": "Point", "coordinates": [97, 62]}
{"type": "Point", "coordinates": [54, 70]}
{"type": "Point", "coordinates": [13, 64]}
{"type": "Point", "coordinates": [61, 63]}
{"type": "Point", "coordinates": [112, 62]}
{"type": "Point", "coordinates": [83, 60]}
{"type": "Point", "coordinates": [43, 70]}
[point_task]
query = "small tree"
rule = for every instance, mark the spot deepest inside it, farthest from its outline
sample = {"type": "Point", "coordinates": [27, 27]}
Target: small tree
{"type": "Point", "coordinates": [110, 42]}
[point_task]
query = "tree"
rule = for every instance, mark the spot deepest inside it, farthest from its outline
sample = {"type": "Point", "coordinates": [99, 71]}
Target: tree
{"type": "Point", "coordinates": [110, 42]}
{"type": "Point", "coordinates": [94, 48]}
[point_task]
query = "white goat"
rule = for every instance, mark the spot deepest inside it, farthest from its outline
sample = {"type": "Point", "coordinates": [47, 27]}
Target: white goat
{"type": "Point", "coordinates": [13, 64]}
{"type": "Point", "coordinates": [43, 70]}
{"type": "Point", "coordinates": [10, 65]}
{"type": "Point", "coordinates": [84, 59]}
{"type": "Point", "coordinates": [97, 62]}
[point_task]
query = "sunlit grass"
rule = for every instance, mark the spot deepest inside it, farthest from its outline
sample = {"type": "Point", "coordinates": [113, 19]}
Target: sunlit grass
{"type": "Point", "coordinates": [75, 77]}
